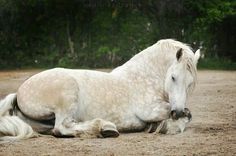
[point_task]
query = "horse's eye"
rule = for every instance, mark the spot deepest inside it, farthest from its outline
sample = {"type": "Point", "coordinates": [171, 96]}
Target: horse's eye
{"type": "Point", "coordinates": [173, 78]}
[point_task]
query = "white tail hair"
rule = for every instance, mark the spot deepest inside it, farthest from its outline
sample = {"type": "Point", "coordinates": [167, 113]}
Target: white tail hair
{"type": "Point", "coordinates": [6, 104]}
{"type": "Point", "coordinates": [12, 128]}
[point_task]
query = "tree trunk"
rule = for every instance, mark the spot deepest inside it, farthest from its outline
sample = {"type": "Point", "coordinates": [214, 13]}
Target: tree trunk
{"type": "Point", "coordinates": [70, 42]}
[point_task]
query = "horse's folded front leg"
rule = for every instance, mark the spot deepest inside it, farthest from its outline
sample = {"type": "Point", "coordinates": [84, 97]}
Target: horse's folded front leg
{"type": "Point", "coordinates": [154, 112]}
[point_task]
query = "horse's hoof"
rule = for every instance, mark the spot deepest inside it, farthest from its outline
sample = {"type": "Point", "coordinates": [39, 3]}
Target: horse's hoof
{"type": "Point", "coordinates": [109, 133]}
{"type": "Point", "coordinates": [56, 133]}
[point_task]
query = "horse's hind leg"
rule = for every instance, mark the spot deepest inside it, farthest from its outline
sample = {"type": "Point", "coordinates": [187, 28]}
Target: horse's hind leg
{"type": "Point", "coordinates": [89, 129]}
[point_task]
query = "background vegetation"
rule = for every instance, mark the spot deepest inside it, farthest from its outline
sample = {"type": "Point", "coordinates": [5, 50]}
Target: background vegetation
{"type": "Point", "coordinates": [106, 33]}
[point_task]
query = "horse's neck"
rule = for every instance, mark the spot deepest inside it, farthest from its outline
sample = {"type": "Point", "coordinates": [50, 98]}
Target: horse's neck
{"type": "Point", "coordinates": [151, 63]}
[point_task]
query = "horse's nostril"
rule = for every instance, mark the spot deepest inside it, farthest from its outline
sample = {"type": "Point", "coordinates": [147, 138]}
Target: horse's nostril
{"type": "Point", "coordinates": [173, 114]}
{"type": "Point", "coordinates": [176, 114]}
{"type": "Point", "coordinates": [189, 116]}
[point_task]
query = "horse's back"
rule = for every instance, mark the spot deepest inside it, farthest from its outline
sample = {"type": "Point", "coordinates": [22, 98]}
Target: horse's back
{"type": "Point", "coordinates": [58, 89]}
{"type": "Point", "coordinates": [84, 94]}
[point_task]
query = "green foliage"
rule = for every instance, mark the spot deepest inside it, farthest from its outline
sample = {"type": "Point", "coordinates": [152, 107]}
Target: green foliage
{"type": "Point", "coordinates": [214, 26]}
{"type": "Point", "coordinates": [80, 33]}
{"type": "Point", "coordinates": [216, 63]}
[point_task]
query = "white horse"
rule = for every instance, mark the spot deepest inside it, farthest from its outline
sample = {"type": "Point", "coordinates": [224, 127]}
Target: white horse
{"type": "Point", "coordinates": [133, 97]}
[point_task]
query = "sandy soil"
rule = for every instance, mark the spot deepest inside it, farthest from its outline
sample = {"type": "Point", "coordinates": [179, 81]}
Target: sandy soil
{"type": "Point", "coordinates": [211, 132]}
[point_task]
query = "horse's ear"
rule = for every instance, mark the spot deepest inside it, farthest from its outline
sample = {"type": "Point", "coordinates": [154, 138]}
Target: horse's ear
{"type": "Point", "coordinates": [197, 56]}
{"type": "Point", "coordinates": [179, 54]}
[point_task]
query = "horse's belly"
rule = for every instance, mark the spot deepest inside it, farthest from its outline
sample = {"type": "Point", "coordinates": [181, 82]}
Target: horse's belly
{"type": "Point", "coordinates": [119, 112]}
{"type": "Point", "coordinates": [44, 93]}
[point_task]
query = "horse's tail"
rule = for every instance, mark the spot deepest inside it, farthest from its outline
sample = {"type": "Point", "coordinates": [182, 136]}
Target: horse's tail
{"type": "Point", "coordinates": [7, 104]}
{"type": "Point", "coordinates": [12, 127]}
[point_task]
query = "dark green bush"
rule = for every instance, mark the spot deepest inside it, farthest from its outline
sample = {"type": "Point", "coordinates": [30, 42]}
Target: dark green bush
{"type": "Point", "coordinates": [104, 33]}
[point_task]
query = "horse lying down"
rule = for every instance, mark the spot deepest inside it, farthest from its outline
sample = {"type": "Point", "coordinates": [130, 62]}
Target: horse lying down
{"type": "Point", "coordinates": [147, 93]}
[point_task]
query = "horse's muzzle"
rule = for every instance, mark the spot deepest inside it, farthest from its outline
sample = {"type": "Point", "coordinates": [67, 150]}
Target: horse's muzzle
{"type": "Point", "coordinates": [175, 114]}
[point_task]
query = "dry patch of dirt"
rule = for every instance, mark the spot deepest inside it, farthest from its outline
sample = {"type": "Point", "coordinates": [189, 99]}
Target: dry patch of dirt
{"type": "Point", "coordinates": [211, 132]}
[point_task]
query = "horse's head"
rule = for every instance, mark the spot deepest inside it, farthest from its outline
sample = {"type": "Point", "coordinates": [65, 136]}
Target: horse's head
{"type": "Point", "coordinates": [180, 80]}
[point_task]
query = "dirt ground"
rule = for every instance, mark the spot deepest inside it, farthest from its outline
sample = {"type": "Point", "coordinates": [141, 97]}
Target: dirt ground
{"type": "Point", "coordinates": [211, 132]}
